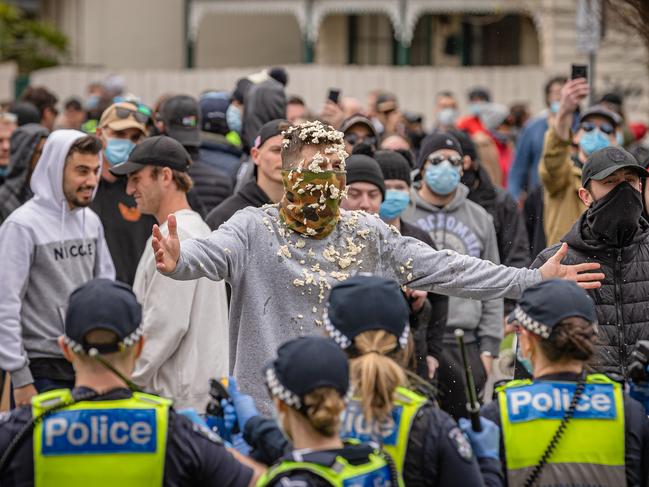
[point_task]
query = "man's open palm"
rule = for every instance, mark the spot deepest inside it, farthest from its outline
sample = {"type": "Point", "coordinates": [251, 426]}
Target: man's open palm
{"type": "Point", "coordinates": [580, 273]}
{"type": "Point", "coordinates": [166, 249]}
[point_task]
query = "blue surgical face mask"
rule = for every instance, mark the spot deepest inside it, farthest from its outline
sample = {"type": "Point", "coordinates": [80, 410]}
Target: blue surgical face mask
{"type": "Point", "coordinates": [525, 362]}
{"type": "Point", "coordinates": [554, 106]}
{"type": "Point", "coordinates": [4, 170]}
{"type": "Point", "coordinates": [395, 202]}
{"type": "Point", "coordinates": [476, 108]}
{"type": "Point", "coordinates": [92, 102]}
{"type": "Point", "coordinates": [118, 150]}
{"type": "Point", "coordinates": [593, 141]}
{"type": "Point", "coordinates": [447, 117]}
{"type": "Point", "coordinates": [619, 138]}
{"type": "Point", "coordinates": [443, 178]}
{"type": "Point", "coordinates": [233, 118]}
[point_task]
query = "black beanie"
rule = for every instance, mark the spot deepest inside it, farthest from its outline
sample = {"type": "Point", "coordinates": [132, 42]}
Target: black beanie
{"type": "Point", "coordinates": [364, 169]}
{"type": "Point", "coordinates": [393, 165]}
{"type": "Point", "coordinates": [435, 142]}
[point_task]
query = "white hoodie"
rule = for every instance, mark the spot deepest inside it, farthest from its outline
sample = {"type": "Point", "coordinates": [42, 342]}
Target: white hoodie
{"type": "Point", "coordinates": [48, 251]}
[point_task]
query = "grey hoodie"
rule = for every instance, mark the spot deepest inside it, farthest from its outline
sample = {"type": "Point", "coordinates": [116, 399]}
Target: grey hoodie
{"type": "Point", "coordinates": [47, 251]}
{"type": "Point", "coordinates": [280, 279]}
{"type": "Point", "coordinates": [466, 228]}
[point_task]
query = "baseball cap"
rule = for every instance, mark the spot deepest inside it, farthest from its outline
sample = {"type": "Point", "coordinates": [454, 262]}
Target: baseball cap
{"type": "Point", "coordinates": [122, 116]}
{"type": "Point", "coordinates": [181, 116]}
{"type": "Point", "coordinates": [363, 303]}
{"type": "Point", "coordinates": [547, 303]}
{"type": "Point", "coordinates": [358, 119]}
{"type": "Point", "coordinates": [304, 365]}
{"type": "Point", "coordinates": [213, 105]}
{"type": "Point", "coordinates": [102, 304]}
{"type": "Point", "coordinates": [362, 168]}
{"type": "Point", "coordinates": [270, 129]}
{"type": "Point", "coordinates": [437, 141]}
{"type": "Point", "coordinates": [602, 163]}
{"type": "Point", "coordinates": [599, 110]}
{"type": "Point", "coordinates": [155, 151]}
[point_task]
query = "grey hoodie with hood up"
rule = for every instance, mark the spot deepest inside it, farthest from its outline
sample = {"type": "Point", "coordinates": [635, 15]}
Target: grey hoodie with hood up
{"type": "Point", "coordinates": [467, 228]}
{"type": "Point", "coordinates": [48, 251]}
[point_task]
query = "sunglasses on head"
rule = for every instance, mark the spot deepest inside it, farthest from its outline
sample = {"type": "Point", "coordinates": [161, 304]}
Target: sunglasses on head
{"type": "Point", "coordinates": [454, 160]}
{"type": "Point", "coordinates": [353, 139]}
{"type": "Point", "coordinates": [141, 114]}
{"type": "Point", "coordinates": [605, 127]}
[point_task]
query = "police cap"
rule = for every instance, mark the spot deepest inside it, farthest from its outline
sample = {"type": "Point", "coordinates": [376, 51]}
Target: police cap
{"type": "Point", "coordinates": [304, 365]}
{"type": "Point", "coordinates": [103, 304]}
{"type": "Point", "coordinates": [547, 303]}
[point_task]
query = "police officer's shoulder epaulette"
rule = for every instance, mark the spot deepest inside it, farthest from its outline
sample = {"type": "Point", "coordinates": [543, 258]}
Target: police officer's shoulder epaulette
{"type": "Point", "coordinates": [207, 433]}
{"type": "Point", "coordinates": [461, 443]}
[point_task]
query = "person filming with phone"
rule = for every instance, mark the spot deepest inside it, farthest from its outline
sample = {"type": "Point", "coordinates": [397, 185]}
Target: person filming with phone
{"type": "Point", "coordinates": [560, 167]}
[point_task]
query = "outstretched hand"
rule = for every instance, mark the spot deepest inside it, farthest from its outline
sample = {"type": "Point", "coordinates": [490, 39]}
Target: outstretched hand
{"type": "Point", "coordinates": [166, 249]}
{"type": "Point", "coordinates": [580, 273]}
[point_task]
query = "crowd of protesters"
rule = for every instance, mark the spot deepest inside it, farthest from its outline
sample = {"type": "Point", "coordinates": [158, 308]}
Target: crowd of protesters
{"type": "Point", "coordinates": [228, 225]}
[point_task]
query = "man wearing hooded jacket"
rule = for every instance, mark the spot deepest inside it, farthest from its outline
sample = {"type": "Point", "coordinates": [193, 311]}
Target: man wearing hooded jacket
{"type": "Point", "coordinates": [613, 233]}
{"type": "Point", "coordinates": [50, 246]}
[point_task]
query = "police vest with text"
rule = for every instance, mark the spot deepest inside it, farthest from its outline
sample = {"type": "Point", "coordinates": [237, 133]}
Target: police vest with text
{"type": "Point", "coordinates": [336, 470]}
{"type": "Point", "coordinates": [591, 449]}
{"type": "Point", "coordinates": [118, 442]}
{"type": "Point", "coordinates": [393, 438]}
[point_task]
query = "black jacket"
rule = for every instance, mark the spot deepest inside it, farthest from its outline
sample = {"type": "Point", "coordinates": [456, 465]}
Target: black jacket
{"type": "Point", "coordinates": [533, 210]}
{"type": "Point", "coordinates": [435, 453]}
{"type": "Point", "coordinates": [622, 303]}
{"type": "Point", "coordinates": [513, 246]}
{"type": "Point", "coordinates": [211, 185]}
{"type": "Point", "coordinates": [15, 190]}
{"type": "Point", "coordinates": [250, 194]}
{"type": "Point", "coordinates": [428, 338]}
{"type": "Point", "coordinates": [218, 152]}
{"type": "Point", "coordinates": [193, 457]}
{"type": "Point", "coordinates": [636, 435]}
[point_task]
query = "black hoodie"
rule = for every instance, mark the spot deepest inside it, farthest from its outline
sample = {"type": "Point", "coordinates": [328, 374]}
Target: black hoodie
{"type": "Point", "coordinates": [622, 303]}
{"type": "Point", "coordinates": [250, 194]}
{"type": "Point", "coordinates": [15, 190]}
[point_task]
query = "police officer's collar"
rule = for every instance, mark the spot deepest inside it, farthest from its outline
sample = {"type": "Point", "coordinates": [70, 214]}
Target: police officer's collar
{"type": "Point", "coordinates": [355, 454]}
{"type": "Point", "coordinates": [116, 393]}
{"type": "Point", "coordinates": [561, 377]}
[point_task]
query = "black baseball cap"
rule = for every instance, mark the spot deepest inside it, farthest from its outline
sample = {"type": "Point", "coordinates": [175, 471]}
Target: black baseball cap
{"type": "Point", "coordinates": [604, 162]}
{"type": "Point", "coordinates": [181, 116]}
{"type": "Point", "coordinates": [103, 304]}
{"type": "Point", "coordinates": [155, 151]}
{"type": "Point", "coordinates": [304, 365]}
{"type": "Point", "coordinates": [270, 129]}
{"type": "Point", "coordinates": [363, 303]}
{"type": "Point", "coordinates": [358, 119]}
{"type": "Point", "coordinates": [547, 303]}
{"type": "Point", "coordinates": [599, 110]}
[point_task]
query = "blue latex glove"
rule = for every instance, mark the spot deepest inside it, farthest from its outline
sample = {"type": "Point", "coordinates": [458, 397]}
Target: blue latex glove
{"type": "Point", "coordinates": [486, 443]}
{"type": "Point", "coordinates": [239, 444]}
{"type": "Point", "coordinates": [229, 415]}
{"type": "Point", "coordinates": [193, 416]}
{"type": "Point", "coordinates": [243, 404]}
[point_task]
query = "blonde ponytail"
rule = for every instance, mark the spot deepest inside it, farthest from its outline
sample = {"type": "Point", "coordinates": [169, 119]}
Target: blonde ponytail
{"type": "Point", "coordinates": [374, 375]}
{"type": "Point", "coordinates": [323, 409]}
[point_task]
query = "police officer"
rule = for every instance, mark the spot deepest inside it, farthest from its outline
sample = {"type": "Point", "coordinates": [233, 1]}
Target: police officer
{"type": "Point", "coordinates": [308, 382]}
{"type": "Point", "coordinates": [101, 433]}
{"type": "Point", "coordinates": [367, 317]}
{"type": "Point", "coordinates": [565, 427]}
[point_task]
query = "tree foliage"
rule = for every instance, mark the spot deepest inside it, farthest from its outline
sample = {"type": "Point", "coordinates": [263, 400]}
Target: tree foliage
{"type": "Point", "coordinates": [32, 44]}
{"type": "Point", "coordinates": [633, 15]}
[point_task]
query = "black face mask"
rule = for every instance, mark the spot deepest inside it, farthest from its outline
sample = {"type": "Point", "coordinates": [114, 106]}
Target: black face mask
{"type": "Point", "coordinates": [615, 217]}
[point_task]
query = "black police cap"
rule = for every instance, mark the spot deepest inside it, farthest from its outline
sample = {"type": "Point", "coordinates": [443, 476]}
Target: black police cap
{"type": "Point", "coordinates": [364, 303]}
{"type": "Point", "coordinates": [547, 303]}
{"type": "Point", "coordinates": [102, 304]}
{"type": "Point", "coordinates": [304, 365]}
